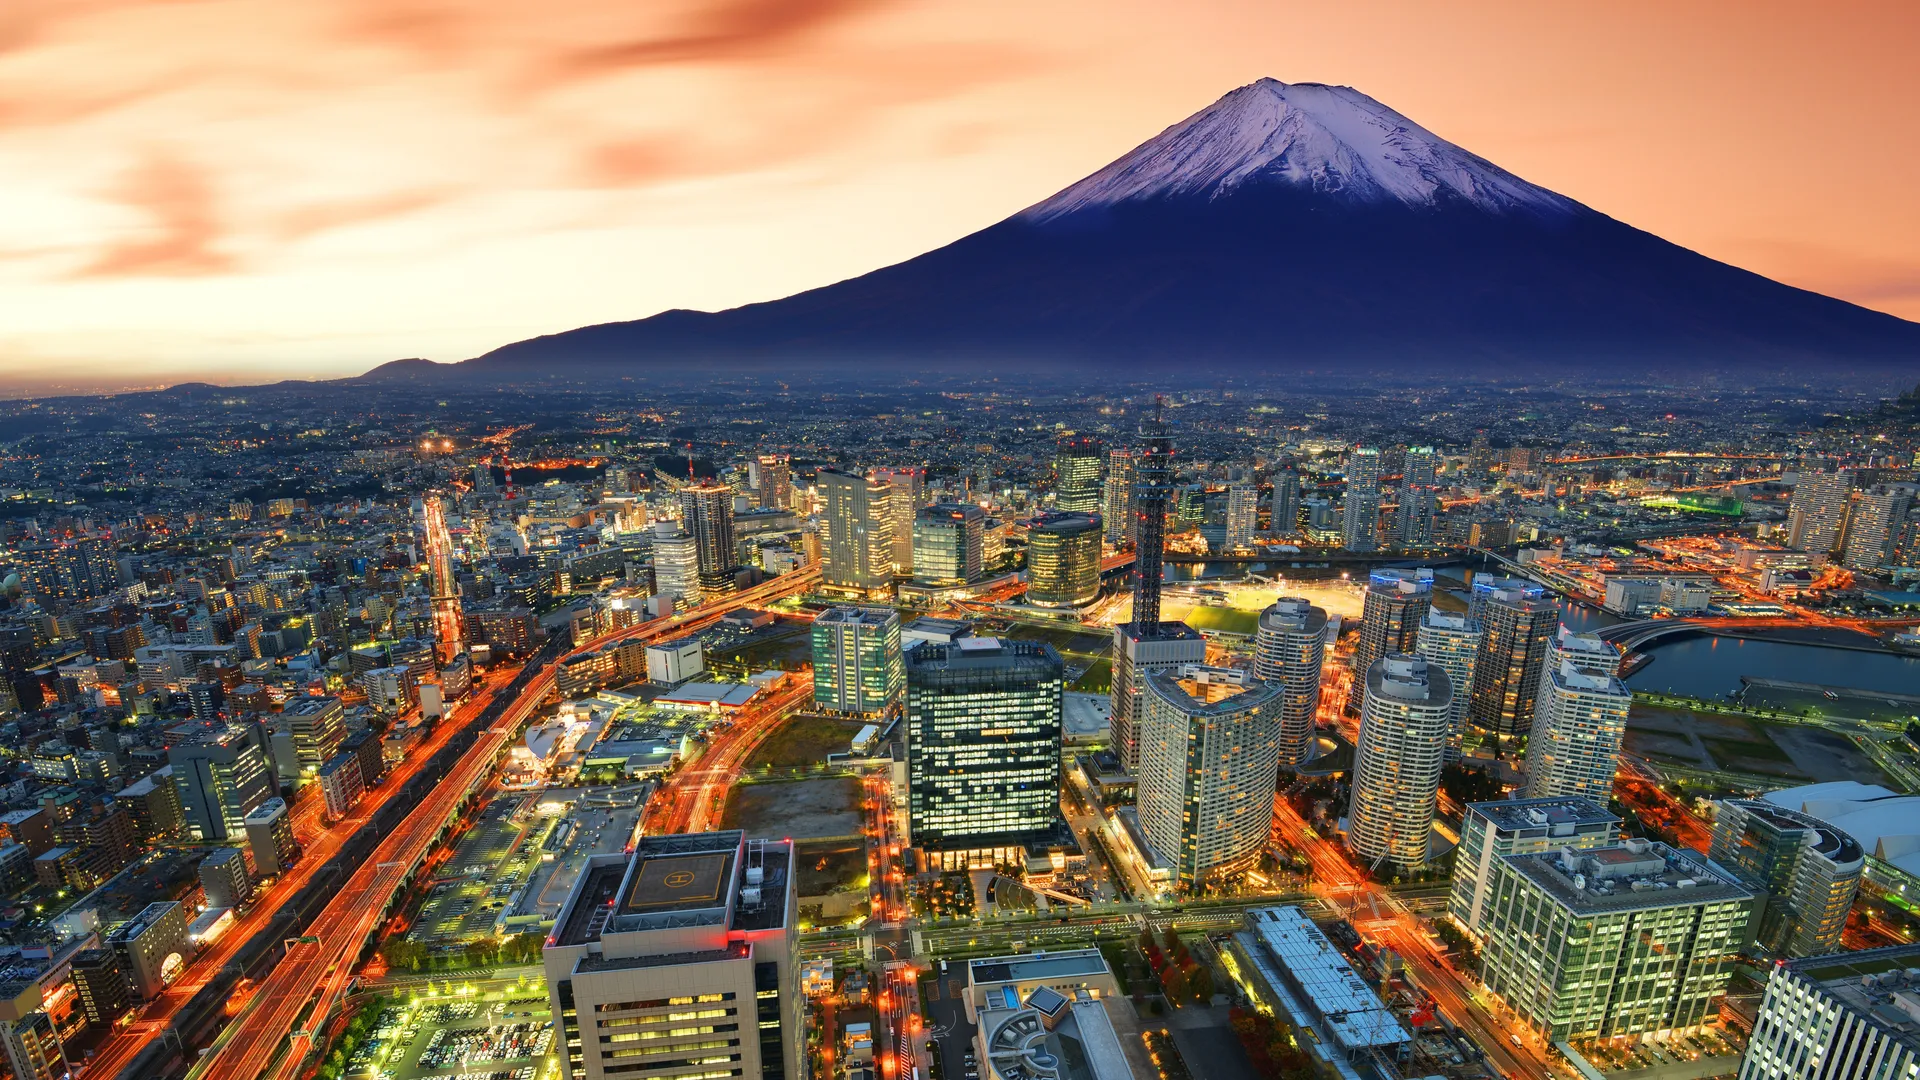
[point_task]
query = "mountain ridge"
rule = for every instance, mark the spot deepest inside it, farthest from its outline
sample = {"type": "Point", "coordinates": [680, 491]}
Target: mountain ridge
{"type": "Point", "coordinates": [1285, 224]}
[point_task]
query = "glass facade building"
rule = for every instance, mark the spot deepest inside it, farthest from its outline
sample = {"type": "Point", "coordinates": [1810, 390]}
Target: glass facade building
{"type": "Point", "coordinates": [1632, 939]}
{"type": "Point", "coordinates": [856, 660]}
{"type": "Point", "coordinates": [983, 742]}
{"type": "Point", "coordinates": [1807, 870]}
{"type": "Point", "coordinates": [949, 544]}
{"type": "Point", "coordinates": [1063, 560]}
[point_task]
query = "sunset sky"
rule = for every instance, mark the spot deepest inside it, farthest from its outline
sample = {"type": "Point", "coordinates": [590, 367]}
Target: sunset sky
{"type": "Point", "coordinates": [249, 190]}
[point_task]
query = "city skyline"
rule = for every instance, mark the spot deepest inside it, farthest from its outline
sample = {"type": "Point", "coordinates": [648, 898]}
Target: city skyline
{"type": "Point", "coordinates": [780, 150]}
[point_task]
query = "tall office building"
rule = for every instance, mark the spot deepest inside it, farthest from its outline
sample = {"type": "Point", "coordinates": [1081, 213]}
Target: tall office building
{"type": "Point", "coordinates": [1289, 651]}
{"type": "Point", "coordinates": [1063, 560]}
{"type": "Point", "coordinates": [1243, 515]}
{"type": "Point", "coordinates": [1285, 506]}
{"type": "Point", "coordinates": [1849, 1016]}
{"type": "Point", "coordinates": [856, 660]}
{"type": "Point", "coordinates": [1804, 871]}
{"type": "Point", "coordinates": [1875, 525]}
{"type": "Point", "coordinates": [1419, 499]}
{"type": "Point", "coordinates": [1633, 939]}
{"type": "Point", "coordinates": [676, 565]}
{"type": "Point", "coordinates": [1396, 600]}
{"type": "Point", "coordinates": [1491, 831]}
{"type": "Point", "coordinates": [1519, 624]}
{"type": "Point", "coordinates": [1116, 504]}
{"type": "Point", "coordinates": [1817, 513]}
{"type": "Point", "coordinates": [906, 493]}
{"type": "Point", "coordinates": [1397, 761]}
{"type": "Point", "coordinates": [221, 777]}
{"type": "Point", "coordinates": [857, 533]}
{"type": "Point", "coordinates": [1144, 644]}
{"type": "Point", "coordinates": [776, 482]}
{"type": "Point", "coordinates": [101, 985]}
{"type": "Point", "coordinates": [1451, 641]}
{"type": "Point", "coordinates": [706, 512]}
{"type": "Point", "coordinates": [1360, 522]}
{"type": "Point", "coordinates": [1209, 748]}
{"type": "Point", "coordinates": [949, 544]}
{"type": "Point", "coordinates": [680, 955]}
{"type": "Point", "coordinates": [1579, 720]}
{"type": "Point", "coordinates": [983, 748]}
{"type": "Point", "coordinates": [1076, 475]}
{"type": "Point", "coordinates": [483, 485]}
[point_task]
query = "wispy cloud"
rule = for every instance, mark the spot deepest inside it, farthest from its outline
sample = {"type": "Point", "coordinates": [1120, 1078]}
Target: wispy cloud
{"type": "Point", "coordinates": [184, 232]}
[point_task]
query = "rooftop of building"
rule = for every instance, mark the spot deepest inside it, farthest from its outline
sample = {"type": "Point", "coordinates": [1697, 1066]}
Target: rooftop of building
{"type": "Point", "coordinates": [681, 880]}
{"type": "Point", "coordinates": [1627, 875]}
{"type": "Point", "coordinates": [1546, 815]}
{"type": "Point", "coordinates": [1882, 985]}
{"type": "Point", "coordinates": [307, 703]}
{"type": "Point", "coordinates": [1036, 966]}
{"type": "Point", "coordinates": [1410, 679]}
{"type": "Point", "coordinates": [1160, 631]}
{"type": "Point", "coordinates": [1197, 690]}
{"type": "Point", "coordinates": [853, 615]}
{"type": "Point", "coordinates": [1051, 1037]}
{"type": "Point", "coordinates": [266, 811]}
{"type": "Point", "coordinates": [984, 654]}
{"type": "Point", "coordinates": [1832, 843]}
{"type": "Point", "coordinates": [1294, 615]}
{"type": "Point", "coordinates": [1450, 620]}
{"type": "Point", "coordinates": [1568, 676]}
{"type": "Point", "coordinates": [144, 921]}
{"type": "Point", "coordinates": [1337, 995]}
{"type": "Point", "coordinates": [1064, 523]}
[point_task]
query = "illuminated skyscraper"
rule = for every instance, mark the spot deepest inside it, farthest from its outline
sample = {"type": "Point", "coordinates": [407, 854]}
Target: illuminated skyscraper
{"type": "Point", "coordinates": [1360, 522]}
{"type": "Point", "coordinates": [1289, 650]}
{"type": "Point", "coordinates": [706, 512]}
{"type": "Point", "coordinates": [676, 565]}
{"type": "Point", "coordinates": [1118, 499]}
{"type": "Point", "coordinates": [906, 491]}
{"type": "Point", "coordinates": [1285, 510]}
{"type": "Point", "coordinates": [856, 660]}
{"type": "Point", "coordinates": [1389, 623]}
{"type": "Point", "coordinates": [983, 747]}
{"type": "Point", "coordinates": [1817, 514]}
{"type": "Point", "coordinates": [1804, 871]}
{"type": "Point", "coordinates": [1076, 469]}
{"type": "Point", "coordinates": [1063, 560]}
{"type": "Point", "coordinates": [1145, 644]}
{"type": "Point", "coordinates": [1208, 754]}
{"type": "Point", "coordinates": [1243, 515]}
{"type": "Point", "coordinates": [857, 522]}
{"type": "Point", "coordinates": [1519, 624]}
{"type": "Point", "coordinates": [776, 481]}
{"type": "Point", "coordinates": [1397, 761]}
{"type": "Point", "coordinates": [1451, 642]}
{"type": "Point", "coordinates": [1419, 498]}
{"type": "Point", "coordinates": [1874, 529]}
{"type": "Point", "coordinates": [949, 544]}
{"type": "Point", "coordinates": [1578, 722]}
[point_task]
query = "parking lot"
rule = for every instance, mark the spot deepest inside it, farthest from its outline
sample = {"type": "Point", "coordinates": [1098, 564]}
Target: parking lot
{"type": "Point", "coordinates": [458, 1040]}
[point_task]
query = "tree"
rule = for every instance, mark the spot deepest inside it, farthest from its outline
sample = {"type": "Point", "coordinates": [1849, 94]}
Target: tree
{"type": "Point", "coordinates": [1200, 979]}
{"type": "Point", "coordinates": [1174, 982]}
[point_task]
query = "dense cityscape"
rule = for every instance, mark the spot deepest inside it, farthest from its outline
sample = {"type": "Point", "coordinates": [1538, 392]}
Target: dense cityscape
{"type": "Point", "coordinates": [966, 727]}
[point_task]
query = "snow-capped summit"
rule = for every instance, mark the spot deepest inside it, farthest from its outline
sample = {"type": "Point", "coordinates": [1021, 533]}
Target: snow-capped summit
{"type": "Point", "coordinates": [1333, 140]}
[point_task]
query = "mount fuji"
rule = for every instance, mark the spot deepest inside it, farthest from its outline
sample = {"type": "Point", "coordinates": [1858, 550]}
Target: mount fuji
{"type": "Point", "coordinates": [1286, 226]}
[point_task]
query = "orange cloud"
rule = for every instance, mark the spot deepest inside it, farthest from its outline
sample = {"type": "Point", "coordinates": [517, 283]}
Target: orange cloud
{"type": "Point", "coordinates": [186, 230]}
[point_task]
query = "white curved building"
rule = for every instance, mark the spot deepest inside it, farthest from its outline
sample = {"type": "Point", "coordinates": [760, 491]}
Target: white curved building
{"type": "Point", "coordinates": [1208, 757]}
{"type": "Point", "coordinates": [1288, 651]}
{"type": "Point", "coordinates": [1396, 771]}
